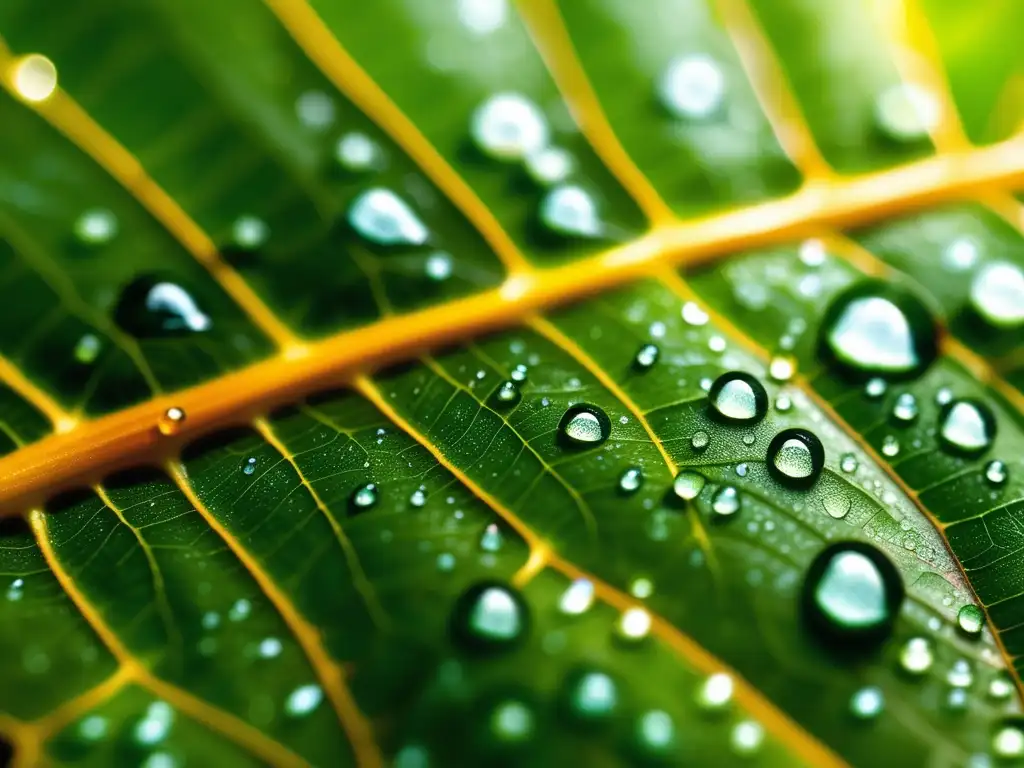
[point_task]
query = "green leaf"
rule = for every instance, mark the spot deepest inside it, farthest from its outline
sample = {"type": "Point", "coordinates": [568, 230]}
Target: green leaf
{"type": "Point", "coordinates": [361, 396]}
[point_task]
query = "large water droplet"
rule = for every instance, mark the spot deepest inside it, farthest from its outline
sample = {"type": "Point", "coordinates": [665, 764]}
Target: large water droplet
{"type": "Point", "coordinates": [508, 126]}
{"type": "Point", "coordinates": [970, 618]}
{"type": "Point", "coordinates": [382, 217]}
{"type": "Point", "coordinates": [738, 398]}
{"type": "Point", "coordinates": [692, 86]}
{"type": "Point", "coordinates": [1008, 742]}
{"type": "Point", "coordinates": [363, 498]}
{"type": "Point", "coordinates": [852, 594]}
{"type": "Point", "coordinates": [584, 424]}
{"type": "Point", "coordinates": [631, 479]}
{"type": "Point", "coordinates": [726, 502]}
{"type": "Point", "coordinates": [966, 426]}
{"type": "Point", "coordinates": [150, 308]}
{"type": "Point", "coordinates": [997, 294]}
{"type": "Point", "coordinates": [489, 616]}
{"type": "Point", "coordinates": [837, 505]}
{"type": "Point", "coordinates": [795, 457]}
{"type": "Point", "coordinates": [570, 211]}
{"type": "Point", "coordinates": [688, 485]}
{"type": "Point", "coordinates": [874, 329]}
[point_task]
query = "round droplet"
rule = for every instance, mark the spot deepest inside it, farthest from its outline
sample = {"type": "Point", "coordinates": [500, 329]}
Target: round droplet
{"type": "Point", "coordinates": [783, 403]}
{"type": "Point", "coordinates": [943, 395]}
{"type": "Point", "coordinates": [357, 153]}
{"type": "Point", "coordinates": [646, 357]}
{"type": "Point", "coordinates": [550, 166]}
{"type": "Point", "coordinates": [1008, 742]}
{"type": "Point", "coordinates": [905, 408]}
{"type": "Point", "coordinates": [584, 424]}
{"type": "Point", "coordinates": [489, 616]}
{"type": "Point", "coordinates": [418, 498]}
{"type": "Point", "coordinates": [172, 420]}
{"type": "Point", "coordinates": [631, 479]}
{"type": "Point", "coordinates": [152, 308]}
{"type": "Point", "coordinates": [848, 463]}
{"type": "Point", "coordinates": [746, 737]}
{"type": "Point", "coordinates": [795, 457]}
{"type": "Point", "coordinates": [874, 329]}
{"type": "Point", "coordinates": [726, 502]}
{"type": "Point", "coordinates": [738, 398]}
{"type": "Point", "coordinates": [715, 693]}
{"type": "Point", "coordinates": [491, 540]}
{"type": "Point", "coordinates": [249, 232]}
{"type": "Point", "coordinates": [688, 485]}
{"type": "Point", "coordinates": [867, 703]}
{"type": "Point", "coordinates": [96, 226]}
{"type": "Point", "coordinates": [700, 439]}
{"type": "Point", "coordinates": [382, 217]}
{"type": "Point", "coordinates": [508, 126]}
{"type": "Point", "coordinates": [641, 588]}
{"type": "Point", "coordinates": [34, 77]}
{"type": "Point", "coordinates": [692, 87]}
{"type": "Point", "coordinates": [570, 211]}
{"type": "Point", "coordinates": [693, 314]}
{"type": "Point", "coordinates": [996, 472]}
{"type": "Point", "coordinates": [88, 349]}
{"type": "Point", "coordinates": [519, 373]}
{"type": "Point", "coordinates": [997, 294]}
{"type": "Point", "coordinates": [960, 674]}
{"type": "Point", "coordinates": [890, 446]}
{"type": "Point", "coordinates": [837, 505]}
{"type": "Point", "coordinates": [970, 618]}
{"type": "Point", "coordinates": [852, 594]}
{"type": "Point", "coordinates": [916, 656]}
{"type": "Point", "coordinates": [315, 110]}
{"type": "Point", "coordinates": [634, 624]}
{"type": "Point", "coordinates": [1000, 687]}
{"type": "Point", "coordinates": [512, 722]}
{"type": "Point", "coordinates": [363, 498]}
{"type": "Point", "coordinates": [506, 395]}
{"type": "Point", "coordinates": [781, 368]}
{"type": "Point", "coordinates": [591, 695]}
{"type": "Point", "coordinates": [875, 388]}
{"type": "Point", "coordinates": [907, 112]}
{"type": "Point", "coordinates": [577, 598]}
{"type": "Point", "coordinates": [438, 266]}
{"type": "Point", "coordinates": [966, 426]}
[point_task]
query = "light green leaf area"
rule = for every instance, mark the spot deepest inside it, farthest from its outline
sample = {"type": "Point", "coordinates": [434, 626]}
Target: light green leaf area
{"type": "Point", "coordinates": [526, 521]}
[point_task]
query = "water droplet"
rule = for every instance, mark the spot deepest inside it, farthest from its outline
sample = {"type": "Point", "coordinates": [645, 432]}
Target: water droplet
{"type": "Point", "coordinates": [966, 426]}
{"type": "Point", "coordinates": [716, 692]}
{"type": "Point", "coordinates": [249, 465]}
{"type": "Point", "coordinates": [1008, 742]}
{"type": "Point", "coordinates": [700, 440]}
{"type": "Point", "coordinates": [418, 497]}
{"type": "Point", "coordinates": [512, 722]}
{"type": "Point", "coordinates": [584, 424]}
{"type": "Point", "coordinates": [693, 314]}
{"type": "Point", "coordinates": [303, 700]}
{"type": "Point", "coordinates": [569, 210]}
{"type": "Point", "coordinates": [382, 217]}
{"type": "Point", "coordinates": [634, 624]}
{"type": "Point", "coordinates": [631, 479]}
{"type": "Point", "coordinates": [646, 357]}
{"type": "Point", "coordinates": [269, 648]}
{"type": "Point", "coordinates": [848, 463]}
{"type": "Point", "coordinates": [153, 308]}
{"type": "Point", "coordinates": [96, 226]}
{"type": "Point", "coordinates": [905, 408]}
{"type": "Point", "coordinates": [875, 388]}
{"type": "Point", "coordinates": [577, 598]}
{"type": "Point", "coordinates": [997, 294]}
{"type": "Point", "coordinates": [960, 254]}
{"type": "Point", "coordinates": [1000, 687]}
{"type": "Point", "coordinates": [795, 457]}
{"type": "Point", "coordinates": [506, 395]}
{"type": "Point", "coordinates": [549, 166]}
{"type": "Point", "coordinates": [155, 724]}
{"type": "Point", "coordinates": [960, 674]}
{"type": "Point", "coordinates": [688, 485]}
{"type": "Point", "coordinates": [641, 588]}
{"type": "Point", "coordinates": [592, 695]}
{"type": "Point", "coordinates": [741, 470]}
{"type": "Point", "coordinates": [783, 403]}
{"type": "Point", "coordinates": [93, 727]}
{"type": "Point", "coordinates": [445, 562]}
{"type": "Point", "coordinates": [519, 373]}
{"type": "Point", "coordinates": [996, 472]}
{"type": "Point", "coordinates": [970, 619]}
{"type": "Point", "coordinates": [852, 594]}
{"type": "Point", "coordinates": [781, 368]}
{"type": "Point", "coordinates": [867, 703]}
{"type": "Point", "coordinates": [916, 656]}
{"type": "Point", "coordinates": [489, 616]}
{"type": "Point", "coordinates": [746, 737]}
{"type": "Point", "coordinates": [738, 398]}
{"type": "Point", "coordinates": [88, 349]}
{"type": "Point", "coordinates": [837, 505]}
{"type": "Point", "coordinates": [240, 610]}
{"type": "Point", "coordinates": [655, 732]}
{"type": "Point", "coordinates": [907, 112]}
{"type": "Point", "coordinates": [491, 540]}
{"type": "Point", "coordinates": [890, 446]}
{"type": "Point", "coordinates": [172, 420]}
{"type": "Point", "coordinates": [357, 153]}
{"type": "Point", "coordinates": [363, 498]}
{"type": "Point", "coordinates": [315, 110]}
{"type": "Point", "coordinates": [249, 232]}
{"type": "Point", "coordinates": [726, 502]}
{"type": "Point", "coordinates": [508, 126]}
{"type": "Point", "coordinates": [34, 77]}
{"type": "Point", "coordinates": [438, 266]}
{"type": "Point", "coordinates": [872, 329]}
{"type": "Point", "coordinates": [943, 395]}
{"type": "Point", "coordinates": [692, 87]}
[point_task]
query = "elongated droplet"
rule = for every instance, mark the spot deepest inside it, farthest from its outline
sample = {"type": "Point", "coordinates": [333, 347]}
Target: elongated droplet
{"type": "Point", "coordinates": [852, 594]}
{"type": "Point", "coordinates": [996, 472]}
{"type": "Point", "coordinates": [508, 126]}
{"type": "Point", "coordinates": [738, 398]}
{"type": "Point", "coordinates": [796, 457]}
{"type": "Point", "coordinates": [688, 485]}
{"type": "Point", "coordinates": [646, 357]}
{"type": "Point", "coordinates": [726, 502]}
{"type": "Point", "coordinates": [492, 540]}
{"type": "Point", "coordinates": [970, 619]}
{"type": "Point", "coordinates": [997, 294]}
{"type": "Point", "coordinates": [506, 395]}
{"type": "Point", "coordinates": [382, 217]}
{"type": "Point", "coordinates": [153, 308]}
{"type": "Point", "coordinates": [571, 211]}
{"type": "Point", "coordinates": [905, 408]}
{"type": "Point", "coordinates": [966, 426]}
{"type": "Point", "coordinates": [585, 424]}
{"type": "Point", "coordinates": [490, 616]}
{"type": "Point", "coordinates": [363, 498]}
{"type": "Point", "coordinates": [631, 479]}
{"type": "Point", "coordinates": [577, 598]}
{"type": "Point", "coordinates": [916, 656]}
{"type": "Point", "coordinates": [873, 329]}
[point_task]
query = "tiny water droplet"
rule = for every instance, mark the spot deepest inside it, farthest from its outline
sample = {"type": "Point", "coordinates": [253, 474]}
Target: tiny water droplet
{"type": "Point", "coordinates": [907, 112]}
{"type": "Point", "coordinates": [151, 308]}
{"type": "Point", "coordinates": [700, 440]}
{"type": "Point", "coordinates": [93, 727]}
{"type": "Point", "coordinates": [512, 722]}
{"type": "Point", "coordinates": [692, 87]}
{"type": "Point", "coordinates": [852, 594]}
{"type": "Point", "coordinates": [570, 211]}
{"type": "Point", "coordinates": [577, 598]}
{"type": "Point", "coordinates": [1008, 742]}
{"type": "Point", "coordinates": [837, 505]}
{"type": "Point", "coordinates": [357, 153]}
{"type": "Point", "coordinates": [631, 479]}
{"type": "Point", "coordinates": [363, 498]}
{"type": "Point", "coordinates": [996, 472]}
{"type": "Point", "coordinates": [783, 403]}
{"type": "Point", "coordinates": [960, 674]}
{"type": "Point", "coordinates": [905, 408]}
{"type": "Point", "coordinates": [491, 540]}
{"type": "Point", "coordinates": [726, 502]}
{"type": "Point", "coordinates": [88, 349]}
{"type": "Point", "coordinates": [970, 619]}
{"type": "Point", "coordinates": [741, 470]}
{"type": "Point", "coordinates": [1000, 687]}
{"type": "Point", "coordinates": [315, 110]}
{"type": "Point", "coordinates": [997, 294]}
{"type": "Point", "coordinates": [509, 127]}
{"type": "Point", "coordinates": [641, 588]}
{"type": "Point", "coordinates": [519, 373]}
{"type": "Point", "coordinates": [867, 703]}
{"type": "Point", "coordinates": [96, 226]}
{"type": "Point", "coordinates": [249, 232]}
{"type": "Point", "coordinates": [781, 368]}
{"type": "Point", "coordinates": [916, 656]}
{"type": "Point", "coordinates": [848, 463]}
{"type": "Point", "coordinates": [418, 498]}
{"type": "Point", "coordinates": [585, 424]}
{"type": "Point", "coordinates": [943, 395]}
{"type": "Point", "coordinates": [875, 388]}
{"type": "Point", "coordinates": [646, 357]}
{"type": "Point", "coordinates": [738, 398]}
{"type": "Point", "coordinates": [694, 314]}
{"type": "Point", "coordinates": [715, 693]}
{"type": "Point", "coordinates": [890, 446]}
{"type": "Point", "coordinates": [172, 420]}
{"type": "Point", "coordinates": [506, 395]}
{"type": "Point", "coordinates": [592, 695]}
{"type": "Point", "coordinates": [796, 457]}
{"type": "Point", "coordinates": [634, 624]}
{"type": "Point", "coordinates": [382, 217]}
{"type": "Point", "coordinates": [249, 465]}
{"type": "Point", "coordinates": [961, 253]}
{"type": "Point", "coordinates": [550, 166]}
{"type": "Point", "coordinates": [489, 616]}
{"type": "Point", "coordinates": [688, 485]}
{"type": "Point", "coordinates": [966, 426]}
{"type": "Point", "coordinates": [655, 732]}
{"type": "Point", "coordinates": [746, 737]}
{"type": "Point", "coordinates": [438, 266]}
{"type": "Point", "coordinates": [303, 700]}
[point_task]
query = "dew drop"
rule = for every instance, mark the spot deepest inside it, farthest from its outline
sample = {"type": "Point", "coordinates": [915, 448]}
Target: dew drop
{"type": "Point", "coordinates": [907, 112]}
{"type": "Point", "coordinates": [512, 722]}
{"type": "Point", "coordinates": [795, 457]}
{"type": "Point", "coordinates": [381, 217]}
{"type": "Point", "coordinates": [150, 308]}
{"type": "Point", "coordinates": [852, 594]}
{"type": "Point", "coordinates": [890, 446]}
{"type": "Point", "coordinates": [746, 737]}
{"type": "Point", "coordinates": [34, 77]}
{"type": "Point", "coordinates": [872, 329]}
{"type": "Point", "coordinates": [997, 294]}
{"type": "Point", "coordinates": [646, 357]}
{"type": "Point", "coordinates": [570, 211]}
{"type": "Point", "coordinates": [996, 472]}
{"type": "Point", "coordinates": [634, 625]}
{"type": "Point", "coordinates": [867, 703]}
{"type": "Point", "coordinates": [970, 619]}
{"type": "Point", "coordinates": [837, 505]}
{"type": "Point", "coordinates": [726, 502]}
{"type": "Point", "coordinates": [438, 266]}
{"type": "Point", "coordinates": [491, 540]}
{"type": "Point", "coordinates": [96, 226]}
{"type": "Point", "coordinates": [960, 674]}
{"type": "Point", "coordinates": [489, 616]}
{"type": "Point", "coordinates": [303, 700]}
{"type": "Point", "coordinates": [688, 485]}
{"type": "Point", "coordinates": [916, 656]}
{"type": "Point", "coordinates": [966, 426]}
{"type": "Point", "coordinates": [519, 373]}
{"type": "Point", "coordinates": [249, 232]}
{"type": "Point", "coordinates": [693, 314]}
{"type": "Point", "coordinates": [655, 731]}
{"type": "Point", "coordinates": [1000, 687]}
{"type": "Point", "coordinates": [783, 403]}
{"type": "Point", "coordinates": [692, 87]}
{"type": "Point", "coordinates": [584, 424]}
{"type": "Point", "coordinates": [1008, 742]}
{"type": "Point", "coordinates": [550, 166]}
{"type": "Point", "coordinates": [960, 254]}
{"type": "Point", "coordinates": [700, 440]}
{"type": "Point", "coordinates": [781, 368]}
{"type": "Point", "coordinates": [848, 463]}
{"type": "Point", "coordinates": [155, 724]}
{"type": "Point", "coordinates": [905, 408]}
{"type": "Point", "coordinates": [88, 349]}
{"type": "Point", "coordinates": [875, 388]}
{"type": "Point", "coordinates": [592, 695]}
{"type": "Point", "coordinates": [631, 479]}
{"type": "Point", "coordinates": [315, 110]}
{"type": "Point", "coordinates": [641, 588]}
{"type": "Point", "coordinates": [738, 398]}
{"type": "Point", "coordinates": [93, 727]}
{"type": "Point", "coordinates": [577, 598]}
{"type": "Point", "coordinates": [715, 693]}
{"type": "Point", "coordinates": [943, 395]}
{"type": "Point", "coordinates": [357, 153]}
{"type": "Point", "coordinates": [363, 498]}
{"type": "Point", "coordinates": [506, 395]}
{"type": "Point", "coordinates": [508, 126]}
{"type": "Point", "coordinates": [418, 498]}
{"type": "Point", "coordinates": [171, 420]}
